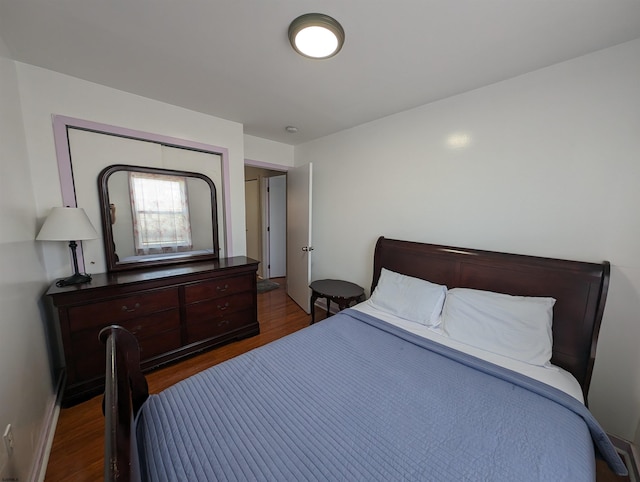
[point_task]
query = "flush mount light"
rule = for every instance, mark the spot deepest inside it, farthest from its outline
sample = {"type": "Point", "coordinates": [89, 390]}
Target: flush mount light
{"type": "Point", "coordinates": [316, 36]}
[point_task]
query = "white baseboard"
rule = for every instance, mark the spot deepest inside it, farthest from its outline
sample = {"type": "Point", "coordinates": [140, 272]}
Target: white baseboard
{"type": "Point", "coordinates": [629, 454]}
{"type": "Point", "coordinates": [41, 458]}
{"type": "Point", "coordinates": [321, 304]}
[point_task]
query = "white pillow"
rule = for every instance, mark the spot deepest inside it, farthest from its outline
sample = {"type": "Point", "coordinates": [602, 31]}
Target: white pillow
{"type": "Point", "coordinates": [410, 298]}
{"type": "Point", "coordinates": [518, 327]}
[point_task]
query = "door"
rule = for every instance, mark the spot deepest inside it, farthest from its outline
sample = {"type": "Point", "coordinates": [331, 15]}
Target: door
{"type": "Point", "coordinates": [299, 247]}
{"type": "Point", "coordinates": [277, 226]}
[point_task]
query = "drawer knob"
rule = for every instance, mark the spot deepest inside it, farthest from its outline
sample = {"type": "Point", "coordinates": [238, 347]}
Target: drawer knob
{"type": "Point", "coordinates": [129, 310]}
{"type": "Point", "coordinates": [223, 307]}
{"type": "Point", "coordinates": [222, 288]}
{"type": "Point", "coordinates": [223, 322]}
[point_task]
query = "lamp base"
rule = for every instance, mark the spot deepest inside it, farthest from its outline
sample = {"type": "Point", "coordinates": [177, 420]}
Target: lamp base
{"type": "Point", "coordinates": [74, 280]}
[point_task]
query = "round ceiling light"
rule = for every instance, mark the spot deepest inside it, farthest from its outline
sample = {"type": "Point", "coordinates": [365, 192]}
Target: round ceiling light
{"type": "Point", "coordinates": [316, 36]}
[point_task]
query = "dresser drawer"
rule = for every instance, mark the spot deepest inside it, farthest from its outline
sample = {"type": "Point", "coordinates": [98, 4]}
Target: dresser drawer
{"type": "Point", "coordinates": [207, 310]}
{"type": "Point", "coordinates": [203, 329]}
{"type": "Point", "coordinates": [86, 342]}
{"type": "Point", "coordinates": [118, 310]}
{"type": "Point", "coordinates": [218, 288]}
{"type": "Point", "coordinates": [93, 366]}
{"type": "Point", "coordinates": [159, 344]}
{"type": "Point", "coordinates": [154, 332]}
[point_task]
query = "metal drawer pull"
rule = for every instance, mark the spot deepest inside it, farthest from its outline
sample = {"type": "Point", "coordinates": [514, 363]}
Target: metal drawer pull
{"type": "Point", "coordinates": [222, 288]}
{"type": "Point", "coordinates": [135, 307]}
{"type": "Point", "coordinates": [222, 308]}
{"type": "Point", "coordinates": [223, 322]}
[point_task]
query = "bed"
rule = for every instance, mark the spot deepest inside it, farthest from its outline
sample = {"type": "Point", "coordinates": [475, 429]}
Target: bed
{"type": "Point", "coordinates": [463, 365]}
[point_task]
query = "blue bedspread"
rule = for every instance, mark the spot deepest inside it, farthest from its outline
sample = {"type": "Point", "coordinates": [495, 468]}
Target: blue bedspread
{"type": "Point", "coordinates": [354, 398]}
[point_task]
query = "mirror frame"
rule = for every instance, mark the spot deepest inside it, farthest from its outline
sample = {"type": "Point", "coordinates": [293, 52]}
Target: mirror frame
{"type": "Point", "coordinates": [107, 233]}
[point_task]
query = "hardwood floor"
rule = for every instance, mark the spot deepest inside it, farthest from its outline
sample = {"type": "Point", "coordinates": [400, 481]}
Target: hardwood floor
{"type": "Point", "coordinates": [77, 451]}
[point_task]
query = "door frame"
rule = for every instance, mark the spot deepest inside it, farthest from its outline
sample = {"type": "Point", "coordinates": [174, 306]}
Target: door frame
{"type": "Point", "coordinates": [263, 198]}
{"type": "Point", "coordinates": [254, 210]}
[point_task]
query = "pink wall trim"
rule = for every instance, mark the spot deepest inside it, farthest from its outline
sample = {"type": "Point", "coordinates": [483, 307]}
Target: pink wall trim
{"type": "Point", "coordinates": [64, 163]}
{"type": "Point", "coordinates": [62, 123]}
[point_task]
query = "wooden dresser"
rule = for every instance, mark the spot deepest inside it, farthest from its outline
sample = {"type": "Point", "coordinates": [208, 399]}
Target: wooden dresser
{"type": "Point", "coordinates": [174, 311]}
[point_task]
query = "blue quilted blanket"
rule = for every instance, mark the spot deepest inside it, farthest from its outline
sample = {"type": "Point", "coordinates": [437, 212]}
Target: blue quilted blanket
{"type": "Point", "coordinates": [354, 398]}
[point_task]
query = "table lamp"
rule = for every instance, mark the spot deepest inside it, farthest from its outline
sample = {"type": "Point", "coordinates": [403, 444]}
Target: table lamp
{"type": "Point", "coordinates": [64, 224]}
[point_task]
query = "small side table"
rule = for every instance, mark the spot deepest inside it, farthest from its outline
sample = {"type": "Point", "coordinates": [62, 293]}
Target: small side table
{"type": "Point", "coordinates": [342, 292]}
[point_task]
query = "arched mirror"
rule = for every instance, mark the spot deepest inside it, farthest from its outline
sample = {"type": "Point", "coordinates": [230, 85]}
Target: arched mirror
{"type": "Point", "coordinates": [156, 216]}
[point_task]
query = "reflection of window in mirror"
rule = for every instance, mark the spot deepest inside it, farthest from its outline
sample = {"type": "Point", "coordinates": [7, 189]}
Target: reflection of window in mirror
{"type": "Point", "coordinates": [160, 209]}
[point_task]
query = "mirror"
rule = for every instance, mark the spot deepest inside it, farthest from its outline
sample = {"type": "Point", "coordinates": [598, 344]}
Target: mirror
{"type": "Point", "coordinates": [156, 216]}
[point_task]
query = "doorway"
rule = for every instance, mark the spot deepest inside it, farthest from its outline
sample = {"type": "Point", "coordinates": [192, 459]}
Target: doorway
{"type": "Point", "coordinates": [266, 227]}
{"type": "Point", "coordinates": [252, 218]}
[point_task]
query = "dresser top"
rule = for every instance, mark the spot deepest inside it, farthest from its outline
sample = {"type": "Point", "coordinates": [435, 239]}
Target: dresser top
{"type": "Point", "coordinates": [102, 280]}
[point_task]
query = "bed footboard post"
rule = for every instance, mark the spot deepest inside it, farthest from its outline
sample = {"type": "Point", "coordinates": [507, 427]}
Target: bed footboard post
{"type": "Point", "coordinates": [125, 391]}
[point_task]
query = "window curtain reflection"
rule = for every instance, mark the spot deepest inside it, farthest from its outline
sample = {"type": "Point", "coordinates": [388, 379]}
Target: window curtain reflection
{"type": "Point", "coordinates": [160, 213]}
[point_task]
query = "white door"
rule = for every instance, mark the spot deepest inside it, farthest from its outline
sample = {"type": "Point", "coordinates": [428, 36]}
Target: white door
{"type": "Point", "coordinates": [299, 247]}
{"type": "Point", "coordinates": [277, 228]}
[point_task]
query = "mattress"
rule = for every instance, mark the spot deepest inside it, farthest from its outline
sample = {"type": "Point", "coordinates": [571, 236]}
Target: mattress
{"type": "Point", "coordinates": [356, 398]}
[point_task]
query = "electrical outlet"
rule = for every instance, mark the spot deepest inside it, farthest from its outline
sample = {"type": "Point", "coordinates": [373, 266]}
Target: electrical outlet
{"type": "Point", "coordinates": [8, 439]}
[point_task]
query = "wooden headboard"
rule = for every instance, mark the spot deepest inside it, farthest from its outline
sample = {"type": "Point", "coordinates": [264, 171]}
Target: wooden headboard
{"type": "Point", "coordinates": [580, 289]}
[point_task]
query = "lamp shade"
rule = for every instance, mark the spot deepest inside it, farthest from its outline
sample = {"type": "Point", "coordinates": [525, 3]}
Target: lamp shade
{"type": "Point", "coordinates": [67, 224]}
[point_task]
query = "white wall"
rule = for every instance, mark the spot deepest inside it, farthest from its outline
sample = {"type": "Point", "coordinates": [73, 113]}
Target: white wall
{"type": "Point", "coordinates": [26, 381]}
{"type": "Point", "coordinates": [267, 151]}
{"type": "Point", "coordinates": [45, 93]}
{"type": "Point", "coordinates": [550, 168]}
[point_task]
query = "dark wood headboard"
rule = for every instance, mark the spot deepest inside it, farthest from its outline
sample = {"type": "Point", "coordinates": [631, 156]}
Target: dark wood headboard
{"type": "Point", "coordinates": [580, 289]}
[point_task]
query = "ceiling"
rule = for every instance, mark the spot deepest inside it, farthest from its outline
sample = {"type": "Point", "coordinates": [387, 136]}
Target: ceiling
{"type": "Point", "coordinates": [231, 58]}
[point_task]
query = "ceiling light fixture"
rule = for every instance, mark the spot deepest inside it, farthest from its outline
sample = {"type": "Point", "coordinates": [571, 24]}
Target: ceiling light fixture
{"type": "Point", "coordinates": [316, 36]}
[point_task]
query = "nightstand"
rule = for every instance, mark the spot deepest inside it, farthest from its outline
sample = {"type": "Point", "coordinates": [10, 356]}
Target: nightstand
{"type": "Point", "coordinates": [341, 292]}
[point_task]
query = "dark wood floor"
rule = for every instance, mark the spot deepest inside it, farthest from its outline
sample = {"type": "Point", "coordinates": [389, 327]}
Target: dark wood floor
{"type": "Point", "coordinates": [77, 451]}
